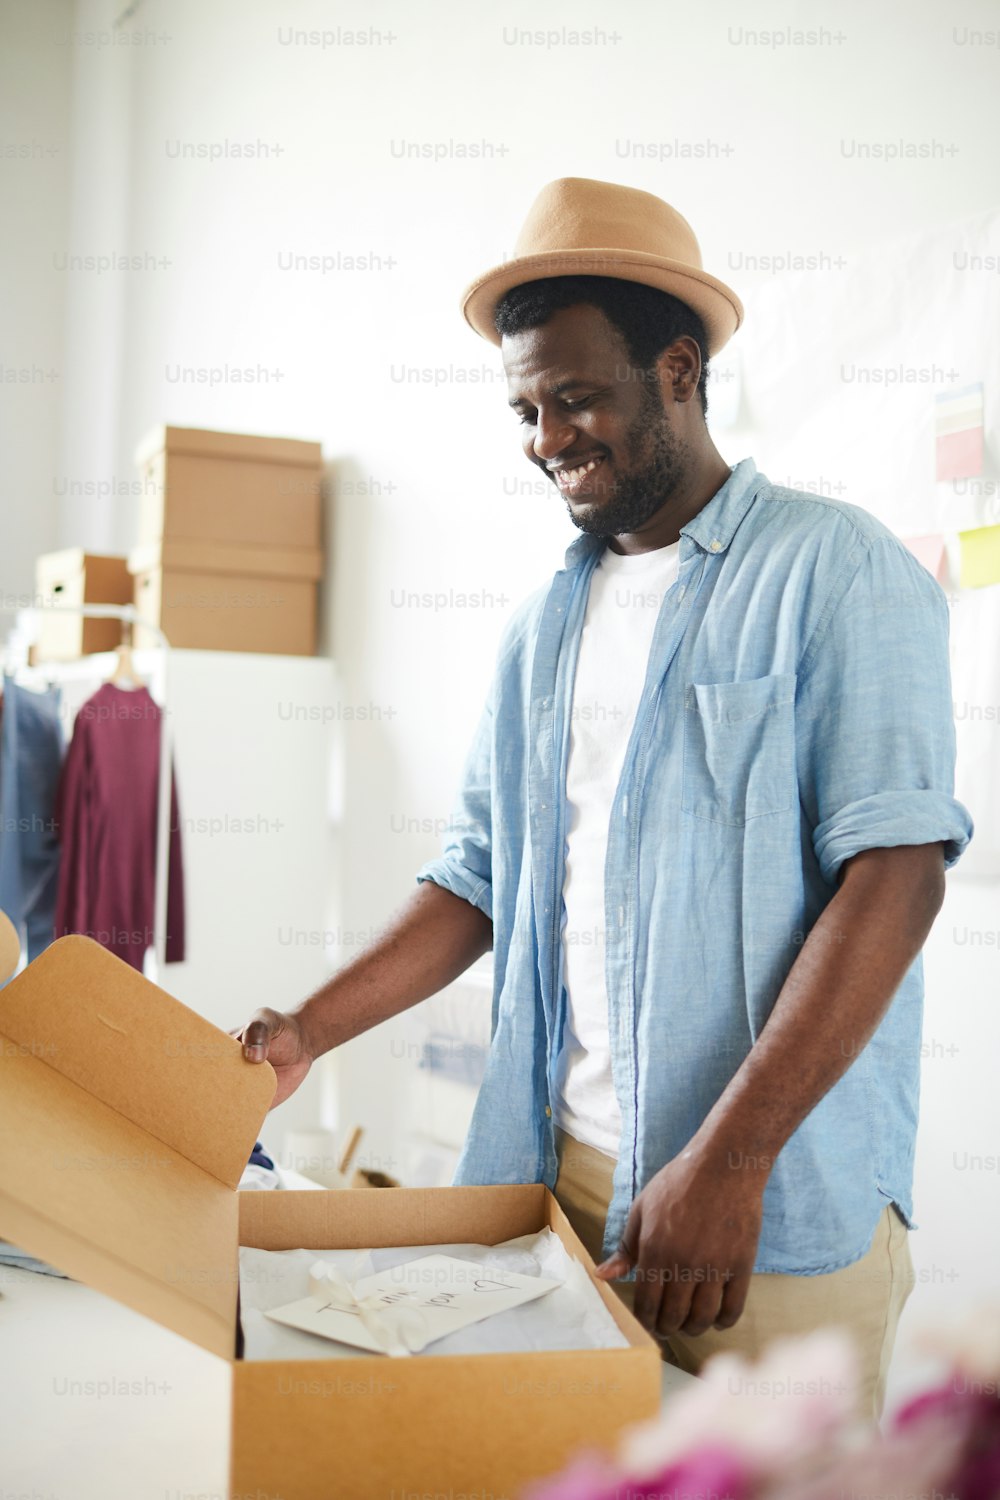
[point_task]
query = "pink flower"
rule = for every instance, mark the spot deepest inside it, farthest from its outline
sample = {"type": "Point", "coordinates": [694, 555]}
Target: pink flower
{"type": "Point", "coordinates": [970, 1343]}
{"type": "Point", "coordinates": [709, 1474]}
{"type": "Point", "coordinates": [795, 1399]}
{"type": "Point", "coordinates": [587, 1478]}
{"type": "Point", "coordinates": [964, 1415]}
{"type": "Point", "coordinates": [712, 1474]}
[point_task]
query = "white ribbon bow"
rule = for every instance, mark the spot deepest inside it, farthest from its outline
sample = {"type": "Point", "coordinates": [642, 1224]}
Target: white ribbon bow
{"type": "Point", "coordinates": [398, 1330]}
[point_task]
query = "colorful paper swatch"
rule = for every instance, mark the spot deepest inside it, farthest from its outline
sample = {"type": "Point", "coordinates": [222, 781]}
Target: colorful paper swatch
{"type": "Point", "coordinates": [980, 553]}
{"type": "Point", "coordinates": [929, 550]}
{"type": "Point", "coordinates": [958, 429]}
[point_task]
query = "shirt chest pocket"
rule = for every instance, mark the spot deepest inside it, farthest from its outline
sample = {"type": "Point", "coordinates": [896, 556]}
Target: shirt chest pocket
{"type": "Point", "coordinates": [739, 749]}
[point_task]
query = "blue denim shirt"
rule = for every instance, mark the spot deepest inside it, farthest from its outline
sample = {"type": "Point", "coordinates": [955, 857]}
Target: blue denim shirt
{"type": "Point", "coordinates": [796, 710]}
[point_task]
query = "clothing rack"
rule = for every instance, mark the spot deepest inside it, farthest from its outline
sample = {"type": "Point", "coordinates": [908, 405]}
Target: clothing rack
{"type": "Point", "coordinates": [128, 614]}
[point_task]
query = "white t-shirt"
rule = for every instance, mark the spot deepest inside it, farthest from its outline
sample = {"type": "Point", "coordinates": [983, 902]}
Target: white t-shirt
{"type": "Point", "coordinates": [622, 609]}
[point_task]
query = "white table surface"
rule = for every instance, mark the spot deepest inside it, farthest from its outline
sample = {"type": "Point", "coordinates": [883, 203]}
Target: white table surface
{"type": "Point", "coordinates": [99, 1403]}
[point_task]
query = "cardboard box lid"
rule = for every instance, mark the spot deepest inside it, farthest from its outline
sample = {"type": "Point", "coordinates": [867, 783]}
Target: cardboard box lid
{"type": "Point", "coordinates": [241, 445]}
{"type": "Point", "coordinates": [127, 1121]}
{"type": "Point", "coordinates": [304, 563]}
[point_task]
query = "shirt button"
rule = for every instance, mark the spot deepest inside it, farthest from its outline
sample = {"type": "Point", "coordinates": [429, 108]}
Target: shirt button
{"type": "Point", "coordinates": [548, 1112]}
{"type": "Point", "coordinates": [714, 544]}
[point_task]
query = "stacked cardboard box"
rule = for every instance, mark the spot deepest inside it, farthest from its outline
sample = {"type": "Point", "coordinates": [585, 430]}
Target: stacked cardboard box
{"type": "Point", "coordinates": [74, 577]}
{"type": "Point", "coordinates": [229, 554]}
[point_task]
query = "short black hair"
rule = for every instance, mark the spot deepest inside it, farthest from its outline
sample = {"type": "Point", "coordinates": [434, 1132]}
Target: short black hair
{"type": "Point", "coordinates": [647, 319]}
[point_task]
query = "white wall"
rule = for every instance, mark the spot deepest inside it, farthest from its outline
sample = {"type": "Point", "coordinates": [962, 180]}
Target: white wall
{"type": "Point", "coordinates": [90, 472]}
{"type": "Point", "coordinates": [35, 71]}
{"type": "Point", "coordinates": [957, 1182]}
{"type": "Point", "coordinates": [756, 144]}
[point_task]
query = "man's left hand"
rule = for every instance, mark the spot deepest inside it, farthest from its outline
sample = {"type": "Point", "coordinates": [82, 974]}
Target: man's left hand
{"type": "Point", "coordinates": [692, 1236]}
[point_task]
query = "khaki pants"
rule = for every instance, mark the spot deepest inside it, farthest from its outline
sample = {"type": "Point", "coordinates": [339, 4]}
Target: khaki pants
{"type": "Point", "coordinates": [865, 1299]}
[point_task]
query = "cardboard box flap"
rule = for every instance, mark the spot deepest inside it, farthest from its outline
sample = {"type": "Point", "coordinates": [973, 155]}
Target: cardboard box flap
{"type": "Point", "coordinates": [225, 557]}
{"type": "Point", "coordinates": [208, 444]}
{"type": "Point", "coordinates": [103, 1026]}
{"type": "Point", "coordinates": [90, 1192]}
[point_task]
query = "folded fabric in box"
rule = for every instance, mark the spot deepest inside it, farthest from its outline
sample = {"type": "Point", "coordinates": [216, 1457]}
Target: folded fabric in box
{"type": "Point", "coordinates": [572, 1316]}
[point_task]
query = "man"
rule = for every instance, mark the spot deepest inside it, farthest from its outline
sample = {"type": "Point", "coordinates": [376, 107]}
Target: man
{"type": "Point", "coordinates": [704, 827]}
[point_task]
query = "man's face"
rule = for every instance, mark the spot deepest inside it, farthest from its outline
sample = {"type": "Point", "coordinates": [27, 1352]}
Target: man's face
{"type": "Point", "coordinates": [593, 423]}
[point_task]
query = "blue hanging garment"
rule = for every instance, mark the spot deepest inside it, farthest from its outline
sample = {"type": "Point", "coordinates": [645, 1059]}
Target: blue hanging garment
{"type": "Point", "coordinates": [31, 752]}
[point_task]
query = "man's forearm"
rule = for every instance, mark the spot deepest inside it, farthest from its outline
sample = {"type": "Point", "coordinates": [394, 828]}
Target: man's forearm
{"type": "Point", "coordinates": [430, 942]}
{"type": "Point", "coordinates": [831, 1003]}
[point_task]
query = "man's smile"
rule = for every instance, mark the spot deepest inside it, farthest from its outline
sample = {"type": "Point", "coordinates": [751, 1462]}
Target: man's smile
{"type": "Point", "coordinates": [573, 478]}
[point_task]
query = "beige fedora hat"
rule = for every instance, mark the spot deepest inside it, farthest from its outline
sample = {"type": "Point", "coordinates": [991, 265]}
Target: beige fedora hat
{"type": "Point", "coordinates": [579, 227]}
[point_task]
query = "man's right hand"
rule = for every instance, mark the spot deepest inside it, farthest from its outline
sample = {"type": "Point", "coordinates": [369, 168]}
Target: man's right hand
{"type": "Point", "coordinates": [433, 939]}
{"type": "Point", "coordinates": [280, 1040]}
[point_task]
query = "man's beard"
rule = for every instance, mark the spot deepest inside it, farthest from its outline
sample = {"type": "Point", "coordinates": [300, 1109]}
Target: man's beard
{"type": "Point", "coordinates": [648, 483]}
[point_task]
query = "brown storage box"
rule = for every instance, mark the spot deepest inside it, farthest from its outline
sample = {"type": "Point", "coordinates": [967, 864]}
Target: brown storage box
{"type": "Point", "coordinates": [227, 598]}
{"type": "Point", "coordinates": [163, 1110]}
{"type": "Point", "coordinates": [77, 577]}
{"type": "Point", "coordinates": [227, 487]}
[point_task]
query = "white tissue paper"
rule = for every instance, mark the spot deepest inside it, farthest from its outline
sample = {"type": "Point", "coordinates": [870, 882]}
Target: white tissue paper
{"type": "Point", "coordinates": [572, 1316]}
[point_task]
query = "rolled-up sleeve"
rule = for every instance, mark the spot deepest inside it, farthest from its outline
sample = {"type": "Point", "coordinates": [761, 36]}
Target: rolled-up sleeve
{"type": "Point", "coordinates": [875, 732]}
{"type": "Point", "coordinates": [466, 865]}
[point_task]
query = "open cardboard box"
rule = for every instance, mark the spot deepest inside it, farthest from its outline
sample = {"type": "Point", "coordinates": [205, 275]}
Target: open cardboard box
{"type": "Point", "coordinates": [128, 1121]}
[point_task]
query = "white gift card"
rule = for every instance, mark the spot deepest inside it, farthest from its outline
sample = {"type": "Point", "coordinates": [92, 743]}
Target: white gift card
{"type": "Point", "coordinates": [401, 1311]}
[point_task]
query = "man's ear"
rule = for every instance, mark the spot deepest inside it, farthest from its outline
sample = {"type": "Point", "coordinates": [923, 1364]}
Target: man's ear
{"type": "Point", "coordinates": [679, 369]}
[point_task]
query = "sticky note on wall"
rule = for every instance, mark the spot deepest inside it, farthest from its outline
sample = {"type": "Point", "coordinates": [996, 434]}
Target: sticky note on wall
{"type": "Point", "coordinates": [980, 554]}
{"type": "Point", "coordinates": [958, 429]}
{"type": "Point", "coordinates": [930, 551]}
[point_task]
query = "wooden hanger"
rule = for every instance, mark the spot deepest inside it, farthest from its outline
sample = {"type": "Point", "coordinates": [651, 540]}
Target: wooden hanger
{"type": "Point", "coordinates": [125, 674]}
